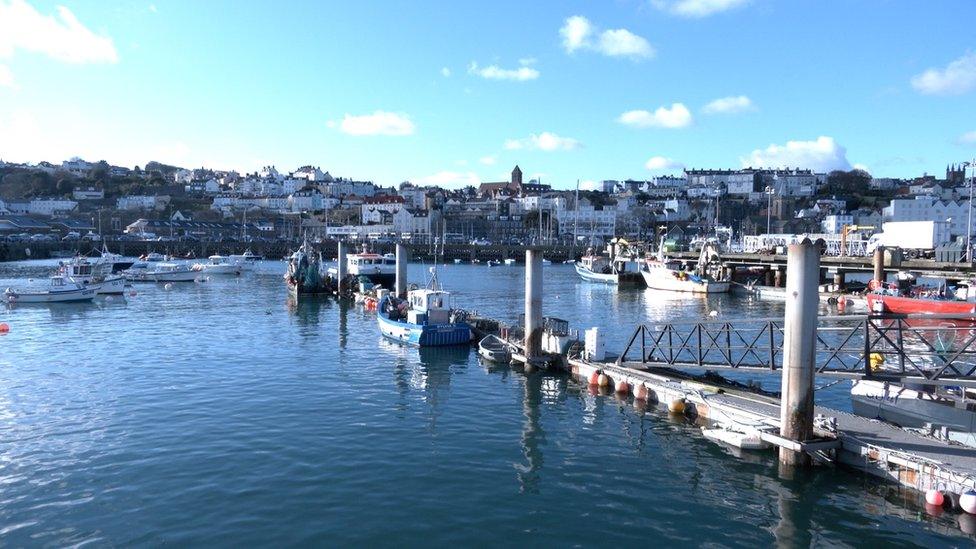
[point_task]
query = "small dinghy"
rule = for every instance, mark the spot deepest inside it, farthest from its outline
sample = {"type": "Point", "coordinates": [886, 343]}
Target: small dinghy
{"type": "Point", "coordinates": [493, 349]}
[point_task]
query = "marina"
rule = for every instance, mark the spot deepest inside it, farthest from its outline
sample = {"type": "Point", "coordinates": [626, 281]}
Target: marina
{"type": "Point", "coordinates": [723, 415]}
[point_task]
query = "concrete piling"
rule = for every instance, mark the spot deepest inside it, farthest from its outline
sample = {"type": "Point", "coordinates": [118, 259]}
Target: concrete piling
{"type": "Point", "coordinates": [402, 258]}
{"type": "Point", "coordinates": [839, 279]}
{"type": "Point", "coordinates": [533, 304]}
{"type": "Point", "coordinates": [879, 273]}
{"type": "Point", "coordinates": [799, 342]}
{"type": "Point", "coordinates": [778, 277]}
{"type": "Point", "coordinates": [341, 267]}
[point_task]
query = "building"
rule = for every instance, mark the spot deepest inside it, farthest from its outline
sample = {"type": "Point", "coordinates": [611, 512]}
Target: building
{"type": "Point", "coordinates": [208, 186]}
{"type": "Point", "coordinates": [142, 202]}
{"type": "Point", "coordinates": [88, 193]}
{"type": "Point", "coordinates": [834, 223]}
{"type": "Point", "coordinates": [308, 199]}
{"type": "Point", "coordinates": [927, 208]}
{"type": "Point", "coordinates": [51, 206]}
{"type": "Point", "coordinates": [76, 167]}
{"type": "Point", "coordinates": [513, 187]}
{"type": "Point", "coordinates": [373, 208]}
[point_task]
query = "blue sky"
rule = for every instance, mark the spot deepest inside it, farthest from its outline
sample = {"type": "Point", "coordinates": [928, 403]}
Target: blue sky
{"type": "Point", "coordinates": [459, 92]}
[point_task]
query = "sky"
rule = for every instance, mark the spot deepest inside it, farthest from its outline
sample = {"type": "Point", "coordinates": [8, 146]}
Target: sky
{"type": "Point", "coordinates": [456, 93]}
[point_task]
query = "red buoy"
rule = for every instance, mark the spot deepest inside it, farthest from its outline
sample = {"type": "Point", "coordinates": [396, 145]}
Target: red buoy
{"type": "Point", "coordinates": [623, 388]}
{"type": "Point", "coordinates": [595, 378]}
{"type": "Point", "coordinates": [4, 327]}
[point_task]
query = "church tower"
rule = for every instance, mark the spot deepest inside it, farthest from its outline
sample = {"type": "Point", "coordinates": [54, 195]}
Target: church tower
{"type": "Point", "coordinates": [517, 176]}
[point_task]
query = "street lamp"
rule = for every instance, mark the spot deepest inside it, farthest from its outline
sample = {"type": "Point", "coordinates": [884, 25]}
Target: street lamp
{"type": "Point", "coordinates": [969, 223]}
{"type": "Point", "coordinates": [769, 208]}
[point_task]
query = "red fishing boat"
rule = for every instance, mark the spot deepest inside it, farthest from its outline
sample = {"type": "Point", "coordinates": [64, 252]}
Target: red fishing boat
{"type": "Point", "coordinates": [884, 303]}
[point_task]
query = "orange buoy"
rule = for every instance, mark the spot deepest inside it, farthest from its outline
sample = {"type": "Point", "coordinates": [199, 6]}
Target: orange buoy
{"type": "Point", "coordinates": [595, 378]}
{"type": "Point", "coordinates": [677, 406]}
{"type": "Point", "coordinates": [623, 388]}
{"type": "Point", "coordinates": [4, 327]}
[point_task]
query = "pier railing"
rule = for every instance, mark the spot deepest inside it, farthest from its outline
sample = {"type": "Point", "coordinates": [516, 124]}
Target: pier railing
{"type": "Point", "coordinates": [936, 349]}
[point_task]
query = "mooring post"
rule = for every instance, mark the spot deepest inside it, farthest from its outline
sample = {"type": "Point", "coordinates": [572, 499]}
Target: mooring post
{"type": "Point", "coordinates": [778, 277]}
{"type": "Point", "coordinates": [838, 279]}
{"type": "Point", "coordinates": [533, 304]}
{"type": "Point", "coordinates": [341, 266]}
{"type": "Point", "coordinates": [799, 344]}
{"type": "Point", "coordinates": [402, 258]}
{"type": "Point", "coordinates": [879, 273]}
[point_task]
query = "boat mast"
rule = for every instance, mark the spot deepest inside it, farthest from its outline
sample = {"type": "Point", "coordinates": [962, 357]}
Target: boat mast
{"type": "Point", "coordinates": [576, 222]}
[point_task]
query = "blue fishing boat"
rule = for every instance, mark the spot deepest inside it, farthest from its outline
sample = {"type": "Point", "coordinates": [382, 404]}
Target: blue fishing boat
{"type": "Point", "coordinates": [425, 318]}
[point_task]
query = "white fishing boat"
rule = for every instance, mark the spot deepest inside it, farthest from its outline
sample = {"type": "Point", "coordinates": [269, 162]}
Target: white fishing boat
{"type": "Point", "coordinates": [246, 259]}
{"type": "Point", "coordinates": [493, 349]}
{"type": "Point", "coordinates": [952, 409]}
{"type": "Point", "coordinates": [706, 278]}
{"type": "Point", "coordinates": [95, 274]}
{"type": "Point", "coordinates": [509, 261]}
{"type": "Point", "coordinates": [380, 270]}
{"type": "Point", "coordinates": [58, 290]}
{"type": "Point", "coordinates": [219, 265]}
{"type": "Point", "coordinates": [116, 262]}
{"type": "Point", "coordinates": [493, 263]}
{"type": "Point", "coordinates": [172, 272]}
{"type": "Point", "coordinates": [154, 257]}
{"type": "Point", "coordinates": [619, 266]}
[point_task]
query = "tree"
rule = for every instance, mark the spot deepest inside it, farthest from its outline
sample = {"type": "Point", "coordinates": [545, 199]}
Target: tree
{"type": "Point", "coordinates": [855, 182]}
{"type": "Point", "coordinates": [65, 187]}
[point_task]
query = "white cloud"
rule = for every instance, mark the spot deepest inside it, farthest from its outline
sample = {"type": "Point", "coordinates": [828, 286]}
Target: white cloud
{"type": "Point", "coordinates": [450, 179]}
{"type": "Point", "coordinates": [729, 105]}
{"type": "Point", "coordinates": [377, 123]}
{"type": "Point", "coordinates": [822, 154]}
{"type": "Point", "coordinates": [697, 8]}
{"type": "Point", "coordinates": [677, 116]}
{"type": "Point", "coordinates": [63, 38]}
{"type": "Point", "coordinates": [6, 77]}
{"type": "Point", "coordinates": [545, 141]}
{"type": "Point", "coordinates": [445, 72]}
{"type": "Point", "coordinates": [579, 34]}
{"type": "Point", "coordinates": [494, 72]}
{"type": "Point", "coordinates": [589, 185]}
{"type": "Point", "coordinates": [967, 138]}
{"type": "Point", "coordinates": [489, 160]}
{"type": "Point", "coordinates": [662, 163]}
{"type": "Point", "coordinates": [957, 78]}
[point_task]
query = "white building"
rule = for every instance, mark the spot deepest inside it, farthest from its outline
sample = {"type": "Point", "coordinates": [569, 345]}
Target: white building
{"type": "Point", "coordinates": [76, 167]}
{"type": "Point", "coordinates": [203, 186]}
{"type": "Point", "coordinates": [926, 208]}
{"type": "Point", "coordinates": [50, 206]}
{"type": "Point", "coordinates": [373, 208]}
{"type": "Point", "coordinates": [142, 202]}
{"type": "Point", "coordinates": [88, 193]}
{"type": "Point", "coordinates": [834, 223]}
{"type": "Point", "coordinates": [589, 221]}
{"type": "Point", "coordinates": [308, 199]}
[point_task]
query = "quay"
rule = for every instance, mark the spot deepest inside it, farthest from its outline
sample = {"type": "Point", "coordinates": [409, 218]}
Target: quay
{"type": "Point", "coordinates": [792, 347]}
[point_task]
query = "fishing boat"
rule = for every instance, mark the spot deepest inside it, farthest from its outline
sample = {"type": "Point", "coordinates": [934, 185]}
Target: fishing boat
{"type": "Point", "coordinates": [905, 297]}
{"type": "Point", "coordinates": [219, 265]}
{"type": "Point", "coordinates": [171, 272]}
{"type": "Point", "coordinates": [915, 406]}
{"type": "Point", "coordinates": [154, 257]}
{"type": "Point", "coordinates": [93, 273]}
{"type": "Point", "coordinates": [620, 265]}
{"type": "Point", "coordinates": [425, 318]}
{"type": "Point", "coordinates": [493, 349]}
{"type": "Point", "coordinates": [117, 262]}
{"type": "Point", "coordinates": [245, 259]}
{"type": "Point", "coordinates": [379, 269]}
{"type": "Point", "coordinates": [706, 278]}
{"type": "Point", "coordinates": [304, 274]}
{"type": "Point", "coordinates": [59, 289]}
{"type": "Point", "coordinates": [509, 261]}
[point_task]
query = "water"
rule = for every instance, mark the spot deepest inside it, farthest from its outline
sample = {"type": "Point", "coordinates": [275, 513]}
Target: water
{"type": "Point", "coordinates": [218, 413]}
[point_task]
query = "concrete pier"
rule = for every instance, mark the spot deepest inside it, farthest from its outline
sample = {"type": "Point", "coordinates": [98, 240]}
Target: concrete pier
{"type": "Point", "coordinates": [341, 266]}
{"type": "Point", "coordinates": [799, 343]}
{"type": "Point", "coordinates": [533, 304]}
{"type": "Point", "coordinates": [402, 259]}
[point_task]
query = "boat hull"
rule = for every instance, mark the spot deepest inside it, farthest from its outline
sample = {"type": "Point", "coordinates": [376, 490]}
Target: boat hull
{"type": "Point", "coordinates": [591, 276]}
{"type": "Point", "coordinates": [111, 286]}
{"type": "Point", "coordinates": [180, 276]}
{"type": "Point", "coordinates": [68, 296]}
{"type": "Point", "coordinates": [879, 303]}
{"type": "Point", "coordinates": [425, 335]}
{"type": "Point", "coordinates": [668, 282]}
{"type": "Point", "coordinates": [230, 270]}
{"type": "Point", "coordinates": [896, 404]}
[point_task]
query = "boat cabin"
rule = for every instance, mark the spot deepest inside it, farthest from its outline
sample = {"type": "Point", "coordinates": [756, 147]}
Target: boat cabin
{"type": "Point", "coordinates": [429, 307]}
{"type": "Point", "coordinates": [595, 263]}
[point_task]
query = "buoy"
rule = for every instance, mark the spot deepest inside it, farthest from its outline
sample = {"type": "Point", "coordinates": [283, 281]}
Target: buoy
{"type": "Point", "coordinates": [4, 327]}
{"type": "Point", "coordinates": [934, 497]}
{"type": "Point", "coordinates": [594, 378]}
{"type": "Point", "coordinates": [168, 286]}
{"type": "Point", "coordinates": [713, 314]}
{"type": "Point", "coordinates": [677, 406]}
{"type": "Point", "coordinates": [623, 388]}
{"type": "Point", "coordinates": [603, 380]}
{"type": "Point", "coordinates": [968, 501]}
{"type": "Point", "coordinates": [876, 360]}
{"type": "Point", "coordinates": [640, 392]}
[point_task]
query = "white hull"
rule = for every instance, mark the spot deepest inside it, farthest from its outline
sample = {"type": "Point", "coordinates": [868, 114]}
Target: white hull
{"type": "Point", "coordinates": [110, 286]}
{"type": "Point", "coordinates": [231, 270]}
{"type": "Point", "coordinates": [180, 276]}
{"type": "Point", "coordinates": [84, 294]}
{"type": "Point", "coordinates": [590, 276]}
{"type": "Point", "coordinates": [908, 408]}
{"type": "Point", "coordinates": [663, 279]}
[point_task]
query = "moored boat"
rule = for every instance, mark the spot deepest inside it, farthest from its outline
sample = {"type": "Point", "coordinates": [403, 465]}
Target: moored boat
{"type": "Point", "coordinates": [905, 297]}
{"type": "Point", "coordinates": [379, 269]}
{"type": "Point", "coordinates": [58, 290]}
{"type": "Point", "coordinates": [706, 278]}
{"type": "Point", "coordinates": [95, 274]}
{"type": "Point", "coordinates": [915, 405]}
{"type": "Point", "coordinates": [171, 272]}
{"type": "Point", "coordinates": [424, 319]}
{"type": "Point", "coordinates": [493, 349]}
{"type": "Point", "coordinates": [219, 265]}
{"type": "Point", "coordinates": [304, 274]}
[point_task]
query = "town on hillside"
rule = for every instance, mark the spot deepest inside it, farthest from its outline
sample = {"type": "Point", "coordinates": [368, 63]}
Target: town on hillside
{"type": "Point", "coordinates": [77, 199]}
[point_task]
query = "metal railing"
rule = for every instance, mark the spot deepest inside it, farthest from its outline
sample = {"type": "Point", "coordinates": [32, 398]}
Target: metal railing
{"type": "Point", "coordinates": [937, 349]}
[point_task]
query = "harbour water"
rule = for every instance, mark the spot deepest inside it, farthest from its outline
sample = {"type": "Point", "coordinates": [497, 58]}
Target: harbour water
{"type": "Point", "coordinates": [220, 413]}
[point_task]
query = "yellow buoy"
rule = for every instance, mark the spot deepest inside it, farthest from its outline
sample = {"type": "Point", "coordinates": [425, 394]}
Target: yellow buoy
{"type": "Point", "coordinates": [876, 360]}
